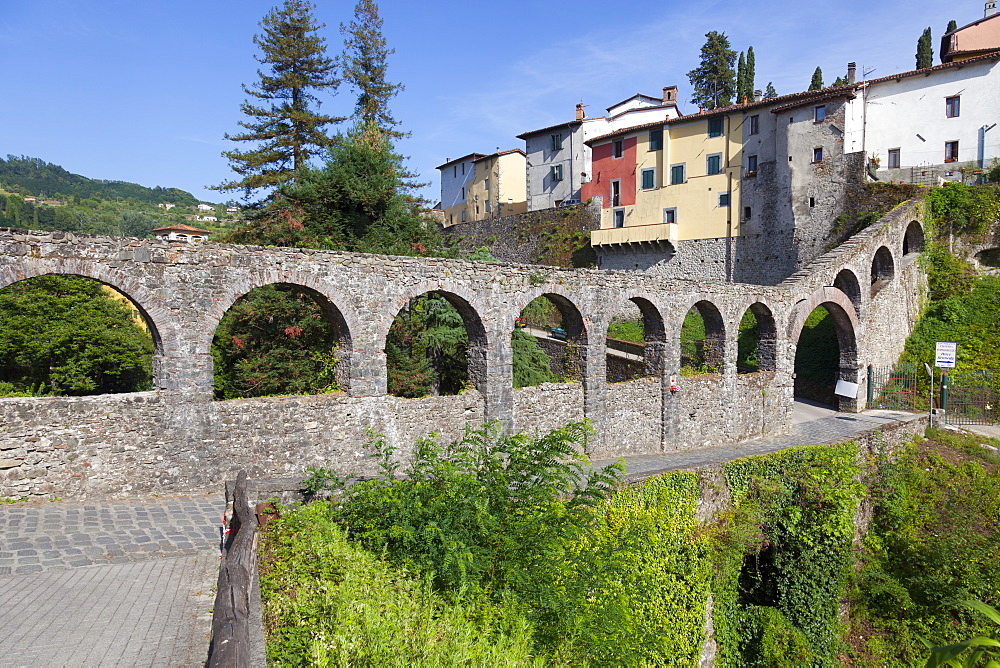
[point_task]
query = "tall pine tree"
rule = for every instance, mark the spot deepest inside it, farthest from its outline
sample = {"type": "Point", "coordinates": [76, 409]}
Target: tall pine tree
{"type": "Point", "coordinates": [714, 81]}
{"type": "Point", "coordinates": [769, 92]}
{"type": "Point", "coordinates": [284, 126]}
{"type": "Point", "coordinates": [749, 75]}
{"type": "Point", "coordinates": [365, 67]}
{"type": "Point", "coordinates": [741, 68]}
{"type": "Point", "coordinates": [925, 52]}
{"type": "Point", "coordinates": [817, 80]}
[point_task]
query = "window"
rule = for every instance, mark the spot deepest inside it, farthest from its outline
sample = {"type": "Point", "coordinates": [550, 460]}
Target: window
{"type": "Point", "coordinates": [754, 124]}
{"type": "Point", "coordinates": [556, 172]}
{"type": "Point", "coordinates": [676, 174]}
{"type": "Point", "coordinates": [714, 163]}
{"type": "Point", "coordinates": [616, 148]}
{"type": "Point", "coordinates": [715, 127]}
{"type": "Point", "coordinates": [463, 171]}
{"type": "Point", "coordinates": [819, 113]}
{"type": "Point", "coordinates": [451, 219]}
{"type": "Point", "coordinates": [724, 199]}
{"type": "Point", "coordinates": [818, 154]}
{"type": "Point", "coordinates": [670, 215]}
{"type": "Point", "coordinates": [619, 217]}
{"type": "Point", "coordinates": [893, 158]}
{"type": "Point", "coordinates": [486, 183]}
{"type": "Point", "coordinates": [463, 215]}
{"type": "Point", "coordinates": [951, 151]}
{"type": "Point", "coordinates": [477, 209]}
{"type": "Point", "coordinates": [616, 193]}
{"type": "Point", "coordinates": [454, 170]}
{"type": "Point", "coordinates": [463, 193]}
{"type": "Point", "coordinates": [510, 204]}
{"type": "Point", "coordinates": [951, 106]}
{"type": "Point", "coordinates": [655, 140]}
{"type": "Point", "coordinates": [556, 141]}
{"type": "Point", "coordinates": [489, 207]}
{"type": "Point", "coordinates": [751, 165]}
{"type": "Point", "coordinates": [746, 213]}
{"type": "Point", "coordinates": [648, 179]}
{"type": "Point", "coordinates": [812, 202]}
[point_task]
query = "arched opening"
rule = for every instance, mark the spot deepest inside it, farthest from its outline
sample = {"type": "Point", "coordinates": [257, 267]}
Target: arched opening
{"type": "Point", "coordinates": [547, 342]}
{"type": "Point", "coordinates": [280, 339]}
{"type": "Point", "coordinates": [68, 335]}
{"type": "Point", "coordinates": [635, 342]}
{"type": "Point", "coordinates": [913, 239]}
{"type": "Point", "coordinates": [989, 259]}
{"type": "Point", "coordinates": [436, 346]}
{"type": "Point", "coordinates": [847, 282]}
{"type": "Point", "coordinates": [883, 269]}
{"type": "Point", "coordinates": [703, 340]}
{"type": "Point", "coordinates": [825, 352]}
{"type": "Point", "coordinates": [757, 341]}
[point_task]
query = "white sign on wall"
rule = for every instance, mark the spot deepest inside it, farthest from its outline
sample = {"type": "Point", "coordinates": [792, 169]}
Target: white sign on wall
{"type": "Point", "coordinates": [945, 353]}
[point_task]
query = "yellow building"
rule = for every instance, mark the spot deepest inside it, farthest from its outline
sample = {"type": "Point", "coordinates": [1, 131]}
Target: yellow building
{"type": "Point", "coordinates": [670, 181]}
{"type": "Point", "coordinates": [477, 187]}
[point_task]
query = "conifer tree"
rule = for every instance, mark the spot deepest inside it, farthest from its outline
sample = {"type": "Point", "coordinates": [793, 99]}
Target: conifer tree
{"type": "Point", "coordinates": [952, 25]}
{"type": "Point", "coordinates": [284, 126]}
{"type": "Point", "coordinates": [714, 81]}
{"type": "Point", "coordinates": [925, 53]}
{"type": "Point", "coordinates": [365, 67]}
{"type": "Point", "coordinates": [769, 92]}
{"type": "Point", "coordinates": [741, 68]}
{"type": "Point", "coordinates": [817, 80]}
{"type": "Point", "coordinates": [749, 74]}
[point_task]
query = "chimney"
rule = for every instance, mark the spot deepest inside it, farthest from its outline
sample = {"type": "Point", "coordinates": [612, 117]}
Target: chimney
{"type": "Point", "coordinates": [580, 115]}
{"type": "Point", "coordinates": [758, 95]}
{"type": "Point", "coordinates": [852, 70]}
{"type": "Point", "coordinates": [991, 9]}
{"type": "Point", "coordinates": [670, 95]}
{"type": "Point", "coordinates": [701, 110]}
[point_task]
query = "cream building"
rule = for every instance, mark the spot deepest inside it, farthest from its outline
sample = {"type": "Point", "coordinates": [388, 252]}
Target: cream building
{"type": "Point", "coordinates": [477, 187]}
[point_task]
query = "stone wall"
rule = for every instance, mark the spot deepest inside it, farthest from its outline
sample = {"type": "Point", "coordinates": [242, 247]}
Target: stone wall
{"type": "Point", "coordinates": [177, 439]}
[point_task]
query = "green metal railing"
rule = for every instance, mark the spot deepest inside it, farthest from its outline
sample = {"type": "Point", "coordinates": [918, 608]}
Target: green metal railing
{"type": "Point", "coordinates": [896, 388]}
{"type": "Point", "coordinates": [970, 397]}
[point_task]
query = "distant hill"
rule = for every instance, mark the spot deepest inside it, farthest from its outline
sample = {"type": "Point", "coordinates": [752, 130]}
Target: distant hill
{"type": "Point", "coordinates": [32, 176]}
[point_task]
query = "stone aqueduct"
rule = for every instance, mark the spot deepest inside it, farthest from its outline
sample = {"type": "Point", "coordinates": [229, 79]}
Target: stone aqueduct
{"type": "Point", "coordinates": [176, 438]}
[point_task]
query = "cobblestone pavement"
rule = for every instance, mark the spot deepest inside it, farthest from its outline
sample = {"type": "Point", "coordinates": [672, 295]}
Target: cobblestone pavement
{"type": "Point", "coordinates": [107, 583]}
{"type": "Point", "coordinates": [811, 426]}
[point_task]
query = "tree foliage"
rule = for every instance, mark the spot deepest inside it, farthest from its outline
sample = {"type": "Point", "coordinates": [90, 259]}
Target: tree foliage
{"type": "Point", "coordinates": [925, 51]}
{"type": "Point", "coordinates": [749, 76]}
{"type": "Point", "coordinates": [714, 81]}
{"type": "Point", "coordinates": [817, 79]}
{"type": "Point", "coordinates": [276, 339]}
{"type": "Point", "coordinates": [769, 92]}
{"type": "Point", "coordinates": [284, 128]}
{"type": "Point", "coordinates": [66, 335]}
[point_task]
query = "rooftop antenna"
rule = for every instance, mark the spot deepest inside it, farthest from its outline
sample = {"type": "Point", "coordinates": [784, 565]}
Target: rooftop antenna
{"type": "Point", "coordinates": [865, 71]}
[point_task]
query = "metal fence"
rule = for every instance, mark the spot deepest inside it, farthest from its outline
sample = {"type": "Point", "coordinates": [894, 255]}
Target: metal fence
{"type": "Point", "coordinates": [970, 397]}
{"type": "Point", "coordinates": [896, 388]}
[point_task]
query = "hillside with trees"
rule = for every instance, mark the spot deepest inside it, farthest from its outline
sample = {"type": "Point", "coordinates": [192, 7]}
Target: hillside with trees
{"type": "Point", "coordinates": [33, 176]}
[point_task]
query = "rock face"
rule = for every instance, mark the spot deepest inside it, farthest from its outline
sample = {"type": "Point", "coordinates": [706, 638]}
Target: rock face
{"type": "Point", "coordinates": [176, 438]}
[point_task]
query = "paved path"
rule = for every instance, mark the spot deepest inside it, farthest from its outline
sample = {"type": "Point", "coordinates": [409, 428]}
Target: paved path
{"type": "Point", "coordinates": [812, 424]}
{"type": "Point", "coordinates": [109, 583]}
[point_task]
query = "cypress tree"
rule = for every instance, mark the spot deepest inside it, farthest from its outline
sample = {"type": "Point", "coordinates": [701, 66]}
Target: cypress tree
{"type": "Point", "coordinates": [817, 80]}
{"type": "Point", "coordinates": [284, 125]}
{"type": "Point", "coordinates": [925, 53]}
{"type": "Point", "coordinates": [749, 74]}
{"type": "Point", "coordinates": [365, 66]}
{"type": "Point", "coordinates": [769, 92]}
{"type": "Point", "coordinates": [951, 26]}
{"type": "Point", "coordinates": [714, 81]}
{"type": "Point", "coordinates": [741, 84]}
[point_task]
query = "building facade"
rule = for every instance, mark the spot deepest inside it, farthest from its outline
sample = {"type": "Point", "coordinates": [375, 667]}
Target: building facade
{"type": "Point", "coordinates": [477, 186]}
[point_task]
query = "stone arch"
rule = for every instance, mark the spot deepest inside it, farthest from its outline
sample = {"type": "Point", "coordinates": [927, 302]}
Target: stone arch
{"type": "Point", "coordinates": [156, 317]}
{"type": "Point", "coordinates": [847, 282]}
{"type": "Point", "coordinates": [475, 327]}
{"type": "Point", "coordinates": [913, 238]}
{"type": "Point", "coordinates": [767, 332]}
{"type": "Point", "coordinates": [577, 326]}
{"type": "Point", "coordinates": [654, 332]}
{"type": "Point", "coordinates": [714, 343]}
{"type": "Point", "coordinates": [846, 326]}
{"type": "Point", "coordinates": [343, 320]}
{"type": "Point", "coordinates": [883, 269]}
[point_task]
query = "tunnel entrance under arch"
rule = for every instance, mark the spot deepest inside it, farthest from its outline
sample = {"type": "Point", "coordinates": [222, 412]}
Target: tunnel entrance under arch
{"type": "Point", "coordinates": [825, 352]}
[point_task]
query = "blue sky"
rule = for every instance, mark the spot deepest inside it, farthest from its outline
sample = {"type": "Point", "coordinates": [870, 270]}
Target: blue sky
{"type": "Point", "coordinates": [144, 91]}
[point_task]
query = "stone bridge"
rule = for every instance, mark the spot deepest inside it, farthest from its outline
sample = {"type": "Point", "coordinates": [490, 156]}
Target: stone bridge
{"type": "Point", "coordinates": [176, 438]}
